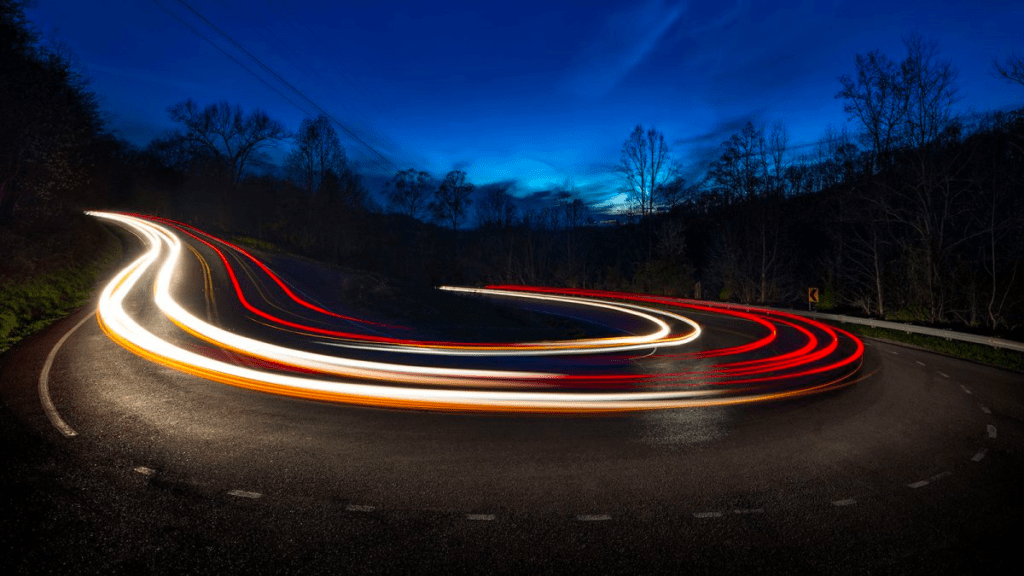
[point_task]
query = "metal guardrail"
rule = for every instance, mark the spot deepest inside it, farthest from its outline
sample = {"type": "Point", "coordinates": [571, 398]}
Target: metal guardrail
{"type": "Point", "coordinates": [912, 329]}
{"type": "Point", "coordinates": [899, 326]}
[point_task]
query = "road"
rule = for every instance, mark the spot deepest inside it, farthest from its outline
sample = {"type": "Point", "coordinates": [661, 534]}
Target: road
{"type": "Point", "coordinates": [915, 467]}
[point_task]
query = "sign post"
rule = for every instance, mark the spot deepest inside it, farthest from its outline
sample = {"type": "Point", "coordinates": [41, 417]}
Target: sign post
{"type": "Point", "coordinates": [812, 297]}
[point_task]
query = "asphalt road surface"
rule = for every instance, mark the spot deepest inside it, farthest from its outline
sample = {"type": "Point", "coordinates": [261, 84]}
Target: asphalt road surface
{"type": "Point", "coordinates": [916, 468]}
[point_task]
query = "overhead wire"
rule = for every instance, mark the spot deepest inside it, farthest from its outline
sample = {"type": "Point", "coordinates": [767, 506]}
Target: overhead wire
{"type": "Point", "coordinates": [226, 53]}
{"type": "Point", "coordinates": [286, 83]}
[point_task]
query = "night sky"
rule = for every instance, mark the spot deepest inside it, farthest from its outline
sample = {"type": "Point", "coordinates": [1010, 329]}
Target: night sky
{"type": "Point", "coordinates": [523, 92]}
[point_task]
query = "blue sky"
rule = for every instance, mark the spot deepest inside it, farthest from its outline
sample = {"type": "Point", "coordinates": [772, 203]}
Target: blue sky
{"type": "Point", "coordinates": [526, 93]}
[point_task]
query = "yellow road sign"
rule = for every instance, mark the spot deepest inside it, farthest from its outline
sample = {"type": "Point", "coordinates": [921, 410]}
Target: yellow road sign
{"type": "Point", "coordinates": [812, 295]}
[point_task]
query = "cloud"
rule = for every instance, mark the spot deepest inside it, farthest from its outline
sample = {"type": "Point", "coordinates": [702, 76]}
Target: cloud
{"type": "Point", "coordinates": [623, 43]}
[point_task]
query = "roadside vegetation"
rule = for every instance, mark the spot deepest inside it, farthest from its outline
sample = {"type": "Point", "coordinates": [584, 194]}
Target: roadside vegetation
{"type": "Point", "coordinates": [45, 284]}
{"type": "Point", "coordinates": [979, 353]}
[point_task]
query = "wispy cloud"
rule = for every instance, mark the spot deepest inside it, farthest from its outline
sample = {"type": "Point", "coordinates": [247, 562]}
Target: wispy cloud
{"type": "Point", "coordinates": [625, 39]}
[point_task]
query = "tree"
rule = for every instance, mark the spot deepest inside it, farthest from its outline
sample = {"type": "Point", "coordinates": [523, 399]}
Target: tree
{"type": "Point", "coordinates": [317, 152]}
{"type": "Point", "coordinates": [409, 192]}
{"type": "Point", "coordinates": [495, 209]}
{"type": "Point", "coordinates": [929, 86]}
{"type": "Point", "coordinates": [778, 140]}
{"type": "Point", "coordinates": [224, 132]}
{"type": "Point", "coordinates": [674, 189]}
{"type": "Point", "coordinates": [1012, 70]}
{"type": "Point", "coordinates": [48, 120]}
{"type": "Point", "coordinates": [739, 173]}
{"type": "Point", "coordinates": [451, 199]}
{"type": "Point", "coordinates": [876, 97]}
{"type": "Point", "coordinates": [645, 165]}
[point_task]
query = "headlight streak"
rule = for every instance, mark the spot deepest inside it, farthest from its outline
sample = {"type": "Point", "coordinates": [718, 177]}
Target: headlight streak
{"type": "Point", "coordinates": [120, 327]}
{"type": "Point", "coordinates": [600, 345]}
{"type": "Point", "coordinates": [277, 280]}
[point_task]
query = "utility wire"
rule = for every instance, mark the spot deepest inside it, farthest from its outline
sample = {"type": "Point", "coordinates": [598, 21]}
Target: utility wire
{"type": "Point", "coordinates": [233, 59]}
{"type": "Point", "coordinates": [285, 82]}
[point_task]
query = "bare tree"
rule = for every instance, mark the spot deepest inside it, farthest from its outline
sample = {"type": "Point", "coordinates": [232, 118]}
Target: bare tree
{"type": "Point", "coordinates": [317, 152]}
{"type": "Point", "coordinates": [876, 98]}
{"type": "Point", "coordinates": [778, 140]}
{"type": "Point", "coordinates": [228, 134]}
{"type": "Point", "coordinates": [740, 171]}
{"type": "Point", "coordinates": [645, 164]}
{"type": "Point", "coordinates": [495, 209]}
{"type": "Point", "coordinates": [929, 85]}
{"type": "Point", "coordinates": [451, 199]}
{"type": "Point", "coordinates": [409, 191]}
{"type": "Point", "coordinates": [1012, 70]}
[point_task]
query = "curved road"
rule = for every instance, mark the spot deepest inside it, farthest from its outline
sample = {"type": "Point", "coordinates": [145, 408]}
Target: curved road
{"type": "Point", "coordinates": [915, 468]}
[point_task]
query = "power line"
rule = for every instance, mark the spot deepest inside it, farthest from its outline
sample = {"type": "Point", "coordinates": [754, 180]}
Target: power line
{"type": "Point", "coordinates": [283, 81]}
{"type": "Point", "coordinates": [224, 52]}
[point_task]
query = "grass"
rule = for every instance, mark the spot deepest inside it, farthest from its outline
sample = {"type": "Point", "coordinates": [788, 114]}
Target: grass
{"type": "Point", "coordinates": [979, 353]}
{"type": "Point", "coordinates": [34, 301]}
{"type": "Point", "coordinates": [256, 243]}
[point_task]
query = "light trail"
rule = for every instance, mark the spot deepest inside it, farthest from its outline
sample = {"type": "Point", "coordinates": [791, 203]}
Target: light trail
{"type": "Point", "coordinates": [466, 389]}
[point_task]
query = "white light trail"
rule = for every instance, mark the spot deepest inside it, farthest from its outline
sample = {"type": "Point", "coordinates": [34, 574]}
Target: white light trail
{"type": "Point", "coordinates": [162, 243]}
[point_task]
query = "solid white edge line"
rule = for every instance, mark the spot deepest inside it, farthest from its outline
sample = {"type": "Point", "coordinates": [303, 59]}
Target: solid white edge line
{"type": "Point", "coordinates": [244, 494]}
{"type": "Point", "coordinates": [44, 383]}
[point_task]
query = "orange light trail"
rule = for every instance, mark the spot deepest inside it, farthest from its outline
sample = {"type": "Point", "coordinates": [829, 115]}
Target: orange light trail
{"type": "Point", "coordinates": [277, 369]}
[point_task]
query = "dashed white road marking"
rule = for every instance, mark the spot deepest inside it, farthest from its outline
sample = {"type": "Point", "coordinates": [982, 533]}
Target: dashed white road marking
{"type": "Point", "coordinates": [707, 514]}
{"type": "Point", "coordinates": [483, 517]}
{"type": "Point", "coordinates": [921, 363]}
{"type": "Point", "coordinates": [991, 431]}
{"type": "Point", "coordinates": [359, 508]}
{"type": "Point", "coordinates": [145, 471]}
{"type": "Point", "coordinates": [922, 483]}
{"type": "Point", "coordinates": [966, 389]}
{"type": "Point", "coordinates": [894, 352]}
{"type": "Point", "coordinates": [244, 494]}
{"type": "Point", "coordinates": [986, 410]}
{"type": "Point", "coordinates": [844, 502]}
{"type": "Point", "coordinates": [44, 383]}
{"type": "Point", "coordinates": [943, 374]}
{"type": "Point", "coordinates": [981, 454]}
{"type": "Point", "coordinates": [748, 511]}
{"type": "Point", "coordinates": [593, 517]}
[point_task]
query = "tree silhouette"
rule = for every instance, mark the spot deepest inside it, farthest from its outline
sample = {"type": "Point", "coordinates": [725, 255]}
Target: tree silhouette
{"type": "Point", "coordinates": [226, 133]}
{"type": "Point", "coordinates": [48, 120]}
{"type": "Point", "coordinates": [645, 165]}
{"type": "Point", "coordinates": [317, 153]}
{"type": "Point", "coordinates": [451, 199]}
{"type": "Point", "coordinates": [1012, 70]}
{"type": "Point", "coordinates": [409, 192]}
